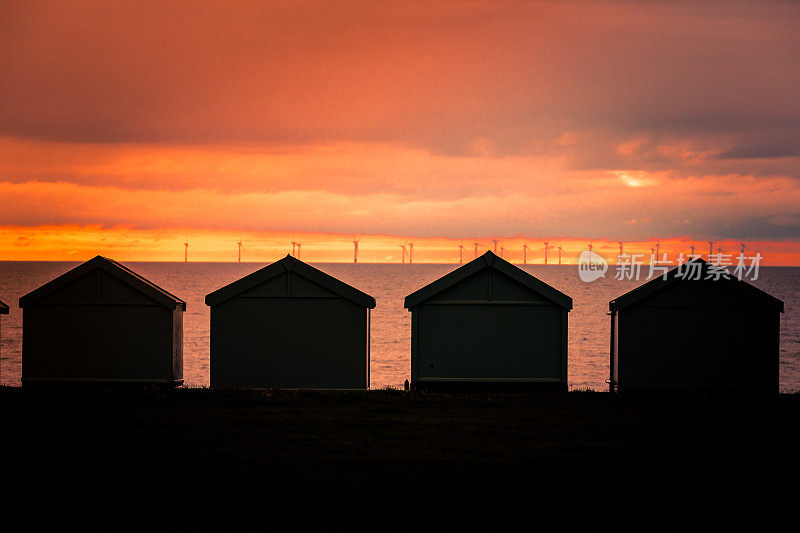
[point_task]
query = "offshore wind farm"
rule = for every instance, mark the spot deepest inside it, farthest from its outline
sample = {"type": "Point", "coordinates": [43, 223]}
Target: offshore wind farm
{"type": "Point", "coordinates": [517, 249]}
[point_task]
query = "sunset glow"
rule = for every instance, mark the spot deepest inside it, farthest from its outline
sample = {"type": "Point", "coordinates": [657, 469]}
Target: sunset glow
{"type": "Point", "coordinates": [78, 243]}
{"type": "Point", "coordinates": [127, 129]}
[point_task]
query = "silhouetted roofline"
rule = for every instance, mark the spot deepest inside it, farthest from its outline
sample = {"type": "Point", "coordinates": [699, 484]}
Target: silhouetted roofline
{"type": "Point", "coordinates": [3, 308]}
{"type": "Point", "coordinates": [657, 284]}
{"type": "Point", "coordinates": [493, 262]}
{"type": "Point", "coordinates": [111, 267]}
{"type": "Point", "coordinates": [290, 264]}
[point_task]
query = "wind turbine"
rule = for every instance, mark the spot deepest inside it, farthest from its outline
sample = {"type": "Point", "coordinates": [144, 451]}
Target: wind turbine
{"type": "Point", "coordinates": [658, 247]}
{"type": "Point", "coordinates": [186, 252]}
{"type": "Point", "coordinates": [293, 246]}
{"type": "Point", "coordinates": [239, 244]}
{"type": "Point", "coordinates": [546, 245]}
{"type": "Point", "coordinates": [495, 245]}
{"type": "Point", "coordinates": [410, 253]}
{"type": "Point", "coordinates": [590, 246]}
{"type": "Point", "coordinates": [710, 249]}
{"type": "Point", "coordinates": [403, 246]}
{"type": "Point", "coordinates": [460, 252]}
{"type": "Point", "coordinates": [525, 253]}
{"type": "Point", "coordinates": [692, 247]}
{"type": "Point", "coordinates": [501, 251]}
{"type": "Point", "coordinates": [355, 251]}
{"type": "Point", "coordinates": [620, 248]}
{"type": "Point", "coordinates": [476, 249]}
{"type": "Point", "coordinates": [560, 249]}
{"type": "Point", "coordinates": [743, 245]}
{"type": "Point", "coordinates": [298, 249]}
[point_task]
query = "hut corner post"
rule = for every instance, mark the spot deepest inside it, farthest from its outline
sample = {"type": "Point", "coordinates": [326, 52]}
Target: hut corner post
{"type": "Point", "coordinates": [776, 372]}
{"type": "Point", "coordinates": [564, 349]}
{"type": "Point", "coordinates": [414, 348]}
{"type": "Point", "coordinates": [612, 385]}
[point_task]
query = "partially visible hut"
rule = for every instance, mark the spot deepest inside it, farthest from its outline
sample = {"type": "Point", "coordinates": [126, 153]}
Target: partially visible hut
{"type": "Point", "coordinates": [696, 329]}
{"type": "Point", "coordinates": [488, 324]}
{"type": "Point", "coordinates": [290, 325]}
{"type": "Point", "coordinates": [102, 322]}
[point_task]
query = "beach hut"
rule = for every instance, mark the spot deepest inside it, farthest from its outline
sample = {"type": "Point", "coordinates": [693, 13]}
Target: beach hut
{"type": "Point", "coordinates": [289, 325]}
{"type": "Point", "coordinates": [102, 322]}
{"type": "Point", "coordinates": [696, 329]}
{"type": "Point", "coordinates": [488, 324]}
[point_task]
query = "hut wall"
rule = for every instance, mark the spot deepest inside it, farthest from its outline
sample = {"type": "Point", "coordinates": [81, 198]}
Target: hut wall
{"type": "Point", "coordinates": [98, 328]}
{"type": "Point", "coordinates": [486, 341]}
{"type": "Point", "coordinates": [98, 342]}
{"type": "Point", "coordinates": [489, 328]}
{"type": "Point", "coordinates": [289, 332]}
{"type": "Point", "coordinates": [697, 336]}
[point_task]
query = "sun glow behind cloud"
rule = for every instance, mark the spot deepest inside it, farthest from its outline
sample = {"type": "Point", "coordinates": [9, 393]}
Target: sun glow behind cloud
{"type": "Point", "coordinates": [636, 179]}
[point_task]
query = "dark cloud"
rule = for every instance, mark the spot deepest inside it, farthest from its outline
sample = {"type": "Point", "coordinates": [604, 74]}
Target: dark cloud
{"type": "Point", "coordinates": [431, 75]}
{"type": "Point", "coordinates": [785, 227]}
{"type": "Point", "coordinates": [766, 148]}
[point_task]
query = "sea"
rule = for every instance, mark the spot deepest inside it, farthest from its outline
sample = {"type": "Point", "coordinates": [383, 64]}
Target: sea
{"type": "Point", "coordinates": [391, 322]}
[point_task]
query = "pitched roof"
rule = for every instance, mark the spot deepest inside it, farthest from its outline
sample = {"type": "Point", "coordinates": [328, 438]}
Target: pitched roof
{"type": "Point", "coordinates": [675, 276]}
{"type": "Point", "coordinates": [3, 308]}
{"type": "Point", "coordinates": [497, 264]}
{"type": "Point", "coordinates": [290, 264]}
{"type": "Point", "coordinates": [111, 267]}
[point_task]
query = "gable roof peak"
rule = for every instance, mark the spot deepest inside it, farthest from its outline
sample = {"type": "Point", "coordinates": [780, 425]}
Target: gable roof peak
{"type": "Point", "coordinates": [112, 268]}
{"type": "Point", "coordinates": [287, 262]}
{"type": "Point", "coordinates": [494, 263]}
{"type": "Point", "coordinates": [489, 257]}
{"type": "Point", "coordinates": [297, 267]}
{"type": "Point", "coordinates": [676, 275]}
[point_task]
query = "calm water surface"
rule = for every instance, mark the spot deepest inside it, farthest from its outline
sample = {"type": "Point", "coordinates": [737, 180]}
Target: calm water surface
{"type": "Point", "coordinates": [391, 323]}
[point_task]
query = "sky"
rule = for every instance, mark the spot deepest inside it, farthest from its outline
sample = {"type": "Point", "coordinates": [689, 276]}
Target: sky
{"type": "Point", "coordinates": [129, 128]}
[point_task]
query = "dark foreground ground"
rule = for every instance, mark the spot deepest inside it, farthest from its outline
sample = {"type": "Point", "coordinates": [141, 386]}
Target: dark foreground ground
{"type": "Point", "coordinates": [385, 460]}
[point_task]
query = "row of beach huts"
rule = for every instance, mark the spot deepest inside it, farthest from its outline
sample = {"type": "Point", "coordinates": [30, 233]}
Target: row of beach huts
{"type": "Point", "coordinates": [487, 324]}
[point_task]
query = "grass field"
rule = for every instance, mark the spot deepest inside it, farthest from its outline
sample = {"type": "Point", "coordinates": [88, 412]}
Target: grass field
{"type": "Point", "coordinates": [151, 459]}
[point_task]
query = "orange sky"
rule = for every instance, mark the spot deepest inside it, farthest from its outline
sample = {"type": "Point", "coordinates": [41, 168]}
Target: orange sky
{"type": "Point", "coordinates": [126, 128]}
{"type": "Point", "coordinates": [79, 243]}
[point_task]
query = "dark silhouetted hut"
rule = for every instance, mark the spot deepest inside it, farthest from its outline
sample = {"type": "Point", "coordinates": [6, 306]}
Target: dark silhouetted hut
{"type": "Point", "coordinates": [692, 331]}
{"type": "Point", "coordinates": [290, 325]}
{"type": "Point", "coordinates": [488, 324]}
{"type": "Point", "coordinates": [102, 322]}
